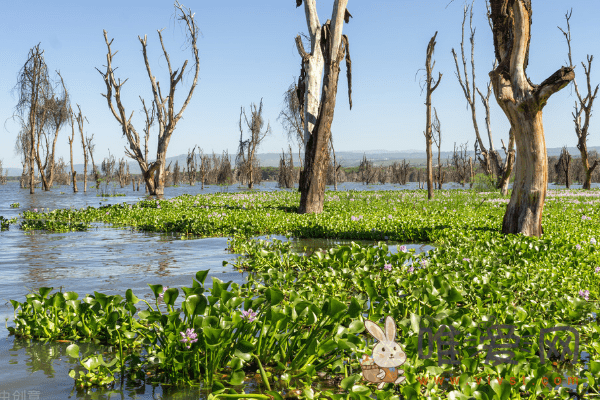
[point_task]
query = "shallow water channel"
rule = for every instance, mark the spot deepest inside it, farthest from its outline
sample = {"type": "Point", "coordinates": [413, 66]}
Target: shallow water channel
{"type": "Point", "coordinates": [108, 260]}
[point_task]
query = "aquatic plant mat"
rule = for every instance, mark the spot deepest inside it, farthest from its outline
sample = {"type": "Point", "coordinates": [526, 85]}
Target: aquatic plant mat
{"type": "Point", "coordinates": [482, 315]}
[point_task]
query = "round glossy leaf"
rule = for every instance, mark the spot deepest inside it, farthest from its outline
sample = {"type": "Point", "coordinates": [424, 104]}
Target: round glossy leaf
{"type": "Point", "coordinates": [73, 350]}
{"type": "Point", "coordinates": [170, 296]}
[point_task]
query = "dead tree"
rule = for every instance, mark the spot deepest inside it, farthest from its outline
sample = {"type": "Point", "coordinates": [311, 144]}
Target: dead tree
{"type": "Point", "coordinates": [285, 178]}
{"type": "Point", "coordinates": [91, 147]}
{"type": "Point", "coordinates": [469, 88]}
{"type": "Point", "coordinates": [3, 174]}
{"type": "Point", "coordinates": [583, 107]}
{"type": "Point", "coordinates": [108, 168]}
{"type": "Point", "coordinates": [33, 86]}
{"type": "Point", "coordinates": [123, 172]}
{"type": "Point", "coordinates": [246, 161]}
{"type": "Point", "coordinates": [163, 107]}
{"type": "Point", "coordinates": [71, 139]}
{"type": "Point", "coordinates": [176, 173]}
{"type": "Point", "coordinates": [563, 166]}
{"type": "Point", "coordinates": [367, 172]}
{"type": "Point", "coordinates": [292, 118]}
{"type": "Point", "coordinates": [58, 108]}
{"type": "Point", "coordinates": [328, 48]}
{"type": "Point", "coordinates": [460, 163]}
{"type": "Point", "coordinates": [192, 166]}
{"type": "Point", "coordinates": [437, 139]}
{"type": "Point", "coordinates": [204, 166]}
{"type": "Point", "coordinates": [80, 118]}
{"type": "Point", "coordinates": [224, 172]}
{"type": "Point", "coordinates": [431, 85]}
{"type": "Point", "coordinates": [522, 102]}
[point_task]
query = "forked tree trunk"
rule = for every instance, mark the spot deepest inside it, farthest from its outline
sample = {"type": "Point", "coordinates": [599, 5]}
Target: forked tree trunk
{"type": "Point", "coordinates": [431, 86]}
{"type": "Point", "coordinates": [327, 42]}
{"type": "Point", "coordinates": [522, 102]}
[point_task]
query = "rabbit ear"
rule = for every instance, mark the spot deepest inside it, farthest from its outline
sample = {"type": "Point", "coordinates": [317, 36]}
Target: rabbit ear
{"type": "Point", "coordinates": [390, 328]}
{"type": "Point", "coordinates": [375, 330]}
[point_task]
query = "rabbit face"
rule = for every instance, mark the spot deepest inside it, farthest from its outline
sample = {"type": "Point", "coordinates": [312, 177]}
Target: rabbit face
{"type": "Point", "coordinates": [388, 354]}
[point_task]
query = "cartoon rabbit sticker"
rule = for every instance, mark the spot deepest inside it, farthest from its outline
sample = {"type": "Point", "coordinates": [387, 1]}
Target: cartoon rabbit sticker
{"type": "Point", "coordinates": [387, 355]}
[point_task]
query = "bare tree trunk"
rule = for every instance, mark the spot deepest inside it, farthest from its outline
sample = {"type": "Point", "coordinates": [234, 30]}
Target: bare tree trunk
{"type": "Point", "coordinates": [583, 106]}
{"type": "Point", "coordinates": [327, 43]}
{"type": "Point", "coordinates": [469, 89]}
{"type": "Point", "coordinates": [73, 173]}
{"type": "Point", "coordinates": [162, 107]}
{"type": "Point", "coordinates": [522, 102]}
{"type": "Point", "coordinates": [431, 86]}
{"type": "Point", "coordinates": [508, 164]}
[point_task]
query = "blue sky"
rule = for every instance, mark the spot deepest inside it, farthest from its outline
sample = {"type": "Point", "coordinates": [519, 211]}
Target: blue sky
{"type": "Point", "coordinates": [247, 52]}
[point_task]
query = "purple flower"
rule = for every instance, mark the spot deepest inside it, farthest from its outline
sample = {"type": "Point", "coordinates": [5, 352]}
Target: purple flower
{"type": "Point", "coordinates": [388, 267]}
{"type": "Point", "coordinates": [424, 263]}
{"type": "Point", "coordinates": [390, 216]}
{"type": "Point", "coordinates": [403, 249]}
{"type": "Point", "coordinates": [597, 270]}
{"type": "Point", "coordinates": [249, 315]}
{"type": "Point", "coordinates": [411, 269]}
{"type": "Point", "coordinates": [593, 241]}
{"type": "Point", "coordinates": [189, 337]}
{"type": "Point", "coordinates": [578, 246]}
{"type": "Point", "coordinates": [584, 218]}
{"type": "Point", "coordinates": [585, 294]}
{"type": "Point", "coordinates": [268, 215]}
{"type": "Point", "coordinates": [161, 295]}
{"type": "Point", "coordinates": [466, 259]}
{"type": "Point", "coordinates": [108, 212]}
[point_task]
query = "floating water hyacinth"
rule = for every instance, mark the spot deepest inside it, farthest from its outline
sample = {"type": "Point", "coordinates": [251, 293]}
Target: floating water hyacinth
{"type": "Point", "coordinates": [597, 270]}
{"type": "Point", "coordinates": [249, 315]}
{"type": "Point", "coordinates": [466, 259]}
{"type": "Point", "coordinates": [585, 218]}
{"type": "Point", "coordinates": [578, 246]}
{"type": "Point", "coordinates": [388, 267]}
{"type": "Point", "coordinates": [189, 337]}
{"type": "Point", "coordinates": [403, 249]}
{"type": "Point", "coordinates": [585, 294]}
{"type": "Point", "coordinates": [161, 295]}
{"type": "Point", "coordinates": [424, 263]}
{"type": "Point", "coordinates": [411, 269]}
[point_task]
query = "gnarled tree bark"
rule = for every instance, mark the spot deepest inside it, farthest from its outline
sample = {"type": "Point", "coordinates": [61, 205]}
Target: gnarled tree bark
{"type": "Point", "coordinates": [522, 102]}
{"type": "Point", "coordinates": [328, 43]}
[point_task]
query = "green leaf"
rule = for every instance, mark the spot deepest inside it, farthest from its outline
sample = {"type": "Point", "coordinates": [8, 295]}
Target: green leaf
{"type": "Point", "coordinates": [274, 296]}
{"type": "Point", "coordinates": [348, 382]}
{"type": "Point", "coordinates": [73, 350]}
{"type": "Point", "coordinates": [156, 289]}
{"type": "Point", "coordinates": [594, 367]}
{"type": "Point", "coordinates": [201, 276]}
{"type": "Point", "coordinates": [415, 322]}
{"type": "Point", "coordinates": [170, 296]}
{"type": "Point", "coordinates": [237, 378]}
{"type": "Point", "coordinates": [44, 291]}
{"type": "Point", "coordinates": [131, 298]}
{"type": "Point", "coordinates": [334, 307]}
{"type": "Point", "coordinates": [355, 308]}
{"type": "Point", "coordinates": [453, 296]}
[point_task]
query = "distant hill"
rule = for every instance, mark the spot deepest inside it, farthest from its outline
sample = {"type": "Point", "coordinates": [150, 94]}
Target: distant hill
{"type": "Point", "coordinates": [346, 158]}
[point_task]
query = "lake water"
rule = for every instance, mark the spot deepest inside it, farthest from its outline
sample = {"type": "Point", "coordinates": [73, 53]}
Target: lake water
{"type": "Point", "coordinates": [107, 260]}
